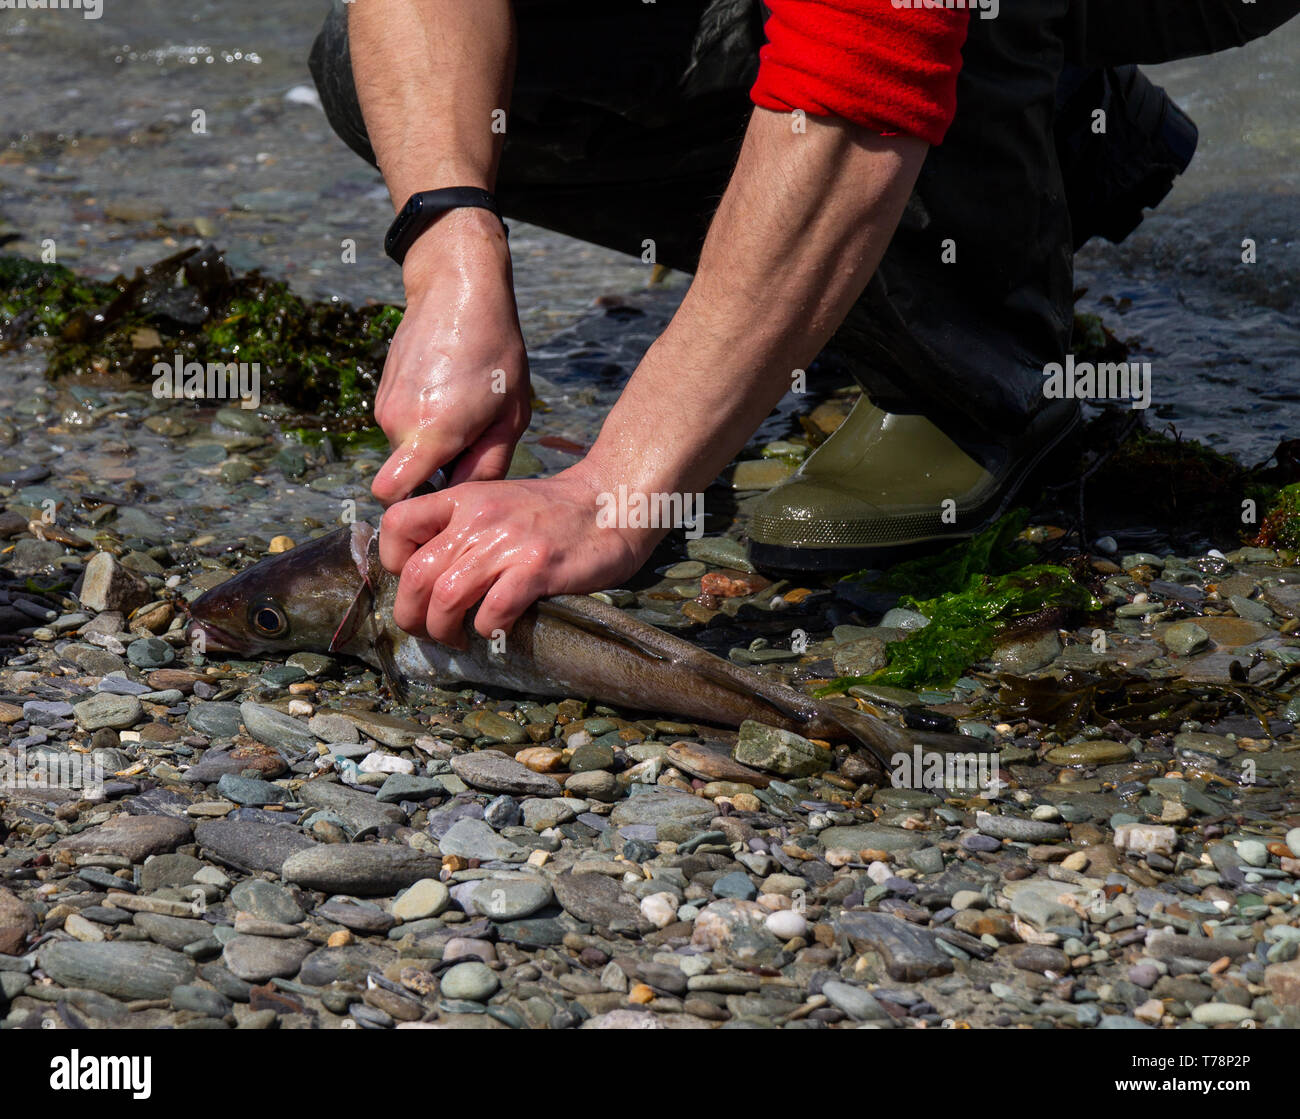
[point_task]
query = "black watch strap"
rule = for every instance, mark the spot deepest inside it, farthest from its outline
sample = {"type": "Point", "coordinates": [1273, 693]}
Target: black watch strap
{"type": "Point", "coordinates": [424, 208]}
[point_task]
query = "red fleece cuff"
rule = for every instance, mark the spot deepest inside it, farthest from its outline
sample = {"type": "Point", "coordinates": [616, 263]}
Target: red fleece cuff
{"type": "Point", "coordinates": [890, 69]}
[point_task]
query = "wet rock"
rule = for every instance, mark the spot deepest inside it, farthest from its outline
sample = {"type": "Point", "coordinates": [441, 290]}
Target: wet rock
{"type": "Point", "coordinates": [600, 900]}
{"type": "Point", "coordinates": [172, 932]}
{"type": "Point", "coordinates": [348, 964]}
{"type": "Point", "coordinates": [1184, 638]}
{"type": "Point", "coordinates": [712, 765]}
{"type": "Point", "coordinates": [256, 959]}
{"type": "Point", "coordinates": [284, 732]}
{"type": "Point", "coordinates": [675, 816]}
{"type": "Point", "coordinates": [511, 899]}
{"type": "Point", "coordinates": [1097, 751]}
{"type": "Point", "coordinates": [103, 709]}
{"type": "Point", "coordinates": [471, 980]}
{"type": "Point", "coordinates": [736, 927]}
{"type": "Point", "coordinates": [403, 787]}
{"type": "Point", "coordinates": [860, 657]}
{"type": "Point", "coordinates": [250, 846]}
{"type": "Point", "coordinates": [360, 916]}
{"type": "Point", "coordinates": [1283, 983]}
{"type": "Point", "coordinates": [473, 839]}
{"type": "Point", "coordinates": [873, 837]}
{"type": "Point", "coordinates": [1029, 653]}
{"type": "Point", "coordinates": [125, 970]}
{"type": "Point", "coordinates": [250, 790]}
{"type": "Point", "coordinates": [426, 898]}
{"type": "Point", "coordinates": [1018, 828]}
{"type": "Point", "coordinates": [388, 730]}
{"type": "Point", "coordinates": [107, 585]}
{"type": "Point", "coordinates": [17, 922]}
{"type": "Point", "coordinates": [779, 751]}
{"type": "Point", "coordinates": [596, 784]}
{"type": "Point", "coordinates": [329, 726]}
{"type": "Point", "coordinates": [201, 1000]}
{"type": "Point", "coordinates": [216, 720]}
{"type": "Point", "coordinates": [856, 1002]}
{"type": "Point", "coordinates": [363, 869]}
{"type": "Point", "coordinates": [266, 901]}
{"type": "Point", "coordinates": [1035, 957]}
{"type": "Point", "coordinates": [150, 652]}
{"type": "Point", "coordinates": [133, 837]}
{"type": "Point", "coordinates": [1038, 902]}
{"type": "Point", "coordinates": [909, 952]}
{"type": "Point", "coordinates": [362, 811]}
{"type": "Point", "coordinates": [493, 771]}
{"type": "Point", "coordinates": [168, 870]}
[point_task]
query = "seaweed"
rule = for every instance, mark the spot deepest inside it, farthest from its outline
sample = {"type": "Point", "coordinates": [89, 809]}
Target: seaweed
{"type": "Point", "coordinates": [994, 551]}
{"type": "Point", "coordinates": [323, 359]}
{"type": "Point", "coordinates": [964, 624]}
{"type": "Point", "coordinates": [1281, 525]}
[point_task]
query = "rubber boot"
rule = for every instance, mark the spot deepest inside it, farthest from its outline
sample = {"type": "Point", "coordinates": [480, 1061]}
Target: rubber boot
{"type": "Point", "coordinates": [884, 484]}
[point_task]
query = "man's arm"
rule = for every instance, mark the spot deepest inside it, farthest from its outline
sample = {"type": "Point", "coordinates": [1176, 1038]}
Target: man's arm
{"type": "Point", "coordinates": [429, 77]}
{"type": "Point", "coordinates": [800, 229]}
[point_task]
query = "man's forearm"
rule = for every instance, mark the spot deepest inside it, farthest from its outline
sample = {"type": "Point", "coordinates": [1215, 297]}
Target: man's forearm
{"type": "Point", "coordinates": [802, 226]}
{"type": "Point", "coordinates": [429, 76]}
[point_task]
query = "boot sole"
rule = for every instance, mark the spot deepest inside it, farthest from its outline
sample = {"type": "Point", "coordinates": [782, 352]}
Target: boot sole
{"type": "Point", "coordinates": [908, 535]}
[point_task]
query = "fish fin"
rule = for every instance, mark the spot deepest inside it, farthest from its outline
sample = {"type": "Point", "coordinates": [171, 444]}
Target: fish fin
{"type": "Point", "coordinates": [388, 666]}
{"type": "Point", "coordinates": [884, 740]}
{"type": "Point", "coordinates": [352, 620]}
{"type": "Point", "coordinates": [561, 611]}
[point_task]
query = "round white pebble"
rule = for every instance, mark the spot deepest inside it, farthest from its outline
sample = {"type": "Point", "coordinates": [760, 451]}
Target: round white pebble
{"type": "Point", "coordinates": [786, 924]}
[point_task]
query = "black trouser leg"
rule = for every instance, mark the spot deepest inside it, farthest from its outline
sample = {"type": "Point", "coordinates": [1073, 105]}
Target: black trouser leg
{"type": "Point", "coordinates": [625, 119]}
{"type": "Point", "coordinates": [1119, 32]}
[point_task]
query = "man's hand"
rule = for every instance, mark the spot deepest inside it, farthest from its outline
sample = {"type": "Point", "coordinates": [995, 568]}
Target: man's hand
{"type": "Point", "coordinates": [432, 79]}
{"type": "Point", "coordinates": [505, 543]}
{"type": "Point", "coordinates": [456, 379]}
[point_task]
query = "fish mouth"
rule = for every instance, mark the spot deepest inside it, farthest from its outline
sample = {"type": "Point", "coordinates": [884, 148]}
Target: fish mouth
{"type": "Point", "coordinates": [214, 639]}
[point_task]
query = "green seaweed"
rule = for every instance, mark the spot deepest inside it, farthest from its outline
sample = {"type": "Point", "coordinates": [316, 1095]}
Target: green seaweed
{"type": "Point", "coordinates": [964, 624]}
{"type": "Point", "coordinates": [321, 358]}
{"type": "Point", "coordinates": [994, 551]}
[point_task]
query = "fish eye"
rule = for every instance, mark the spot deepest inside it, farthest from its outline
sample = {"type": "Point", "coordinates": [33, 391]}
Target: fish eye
{"type": "Point", "coordinates": [268, 619]}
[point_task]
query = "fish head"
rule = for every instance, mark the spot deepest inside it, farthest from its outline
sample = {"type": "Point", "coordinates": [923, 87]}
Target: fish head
{"type": "Point", "coordinates": [308, 599]}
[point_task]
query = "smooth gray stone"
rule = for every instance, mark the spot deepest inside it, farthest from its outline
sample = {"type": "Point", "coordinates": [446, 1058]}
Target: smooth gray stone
{"type": "Point", "coordinates": [362, 869]}
{"type": "Point", "coordinates": [493, 771]}
{"type": "Point", "coordinates": [216, 720]}
{"type": "Point", "coordinates": [259, 958]}
{"type": "Point", "coordinates": [250, 846]}
{"type": "Point", "coordinates": [361, 810]}
{"type": "Point", "coordinates": [473, 839]}
{"type": "Point", "coordinates": [124, 969]}
{"type": "Point", "coordinates": [267, 902]}
{"type": "Point", "coordinates": [909, 951]}
{"type": "Point", "coordinates": [274, 728]}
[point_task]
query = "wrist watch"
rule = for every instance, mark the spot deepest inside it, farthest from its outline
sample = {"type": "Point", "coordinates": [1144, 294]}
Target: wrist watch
{"type": "Point", "coordinates": [427, 206]}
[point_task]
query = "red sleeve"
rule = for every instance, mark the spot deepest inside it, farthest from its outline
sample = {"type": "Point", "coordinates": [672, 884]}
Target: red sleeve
{"type": "Point", "coordinates": [890, 69]}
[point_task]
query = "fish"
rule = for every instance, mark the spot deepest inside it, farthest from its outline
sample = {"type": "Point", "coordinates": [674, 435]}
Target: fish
{"type": "Point", "coordinates": [333, 595]}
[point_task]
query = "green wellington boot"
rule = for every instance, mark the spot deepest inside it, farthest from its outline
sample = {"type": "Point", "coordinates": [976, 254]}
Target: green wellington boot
{"type": "Point", "coordinates": [884, 483]}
